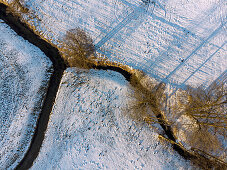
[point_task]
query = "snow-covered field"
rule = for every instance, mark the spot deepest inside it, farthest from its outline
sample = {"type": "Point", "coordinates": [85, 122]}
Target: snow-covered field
{"type": "Point", "coordinates": [180, 42]}
{"type": "Point", "coordinates": [24, 72]}
{"type": "Point", "coordinates": [89, 130]}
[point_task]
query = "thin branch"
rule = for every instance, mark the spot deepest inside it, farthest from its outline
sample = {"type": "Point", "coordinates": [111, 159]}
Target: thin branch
{"type": "Point", "coordinates": [196, 150]}
{"type": "Point", "coordinates": [213, 125]}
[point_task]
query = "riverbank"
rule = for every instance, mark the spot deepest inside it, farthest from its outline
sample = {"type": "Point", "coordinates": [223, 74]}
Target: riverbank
{"type": "Point", "coordinates": [59, 67]}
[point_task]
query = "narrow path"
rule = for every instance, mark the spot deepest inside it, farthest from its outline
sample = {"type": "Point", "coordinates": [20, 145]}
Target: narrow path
{"type": "Point", "coordinates": [59, 67]}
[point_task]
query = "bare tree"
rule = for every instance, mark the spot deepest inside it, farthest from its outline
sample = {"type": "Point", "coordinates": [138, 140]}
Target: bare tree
{"type": "Point", "coordinates": [77, 48]}
{"type": "Point", "coordinates": [207, 109]}
{"type": "Point", "coordinates": [202, 114]}
{"type": "Point", "coordinates": [148, 100]}
{"type": "Point", "coordinates": [17, 7]}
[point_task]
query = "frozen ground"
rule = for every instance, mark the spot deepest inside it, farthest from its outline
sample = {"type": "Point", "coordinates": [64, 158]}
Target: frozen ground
{"type": "Point", "coordinates": [89, 130]}
{"type": "Point", "coordinates": [180, 42]}
{"type": "Point", "coordinates": [24, 72]}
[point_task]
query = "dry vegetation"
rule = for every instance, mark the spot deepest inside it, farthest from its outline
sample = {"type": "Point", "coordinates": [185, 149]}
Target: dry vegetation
{"type": "Point", "coordinates": [205, 107]}
{"type": "Point", "coordinates": [16, 7]}
{"type": "Point", "coordinates": [201, 113]}
{"type": "Point", "coordinates": [148, 100]}
{"type": "Point", "coordinates": [208, 109]}
{"type": "Point", "coordinates": [77, 49]}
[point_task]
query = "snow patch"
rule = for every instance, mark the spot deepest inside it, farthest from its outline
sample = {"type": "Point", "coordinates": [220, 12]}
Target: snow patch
{"type": "Point", "coordinates": [88, 128]}
{"type": "Point", "coordinates": [25, 72]}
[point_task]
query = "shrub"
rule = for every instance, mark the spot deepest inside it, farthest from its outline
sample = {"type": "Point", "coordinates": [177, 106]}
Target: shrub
{"type": "Point", "coordinates": [201, 115]}
{"type": "Point", "coordinates": [17, 7]}
{"type": "Point", "coordinates": [77, 48]}
{"type": "Point", "coordinates": [147, 99]}
{"type": "Point", "coordinates": [207, 109]}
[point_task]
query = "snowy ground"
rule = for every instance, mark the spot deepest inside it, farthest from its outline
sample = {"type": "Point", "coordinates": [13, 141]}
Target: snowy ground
{"type": "Point", "coordinates": [181, 42]}
{"type": "Point", "coordinates": [89, 130]}
{"type": "Point", "coordinates": [24, 72]}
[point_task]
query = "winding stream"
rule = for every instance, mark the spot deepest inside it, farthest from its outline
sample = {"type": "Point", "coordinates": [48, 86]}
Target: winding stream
{"type": "Point", "coordinates": [59, 66]}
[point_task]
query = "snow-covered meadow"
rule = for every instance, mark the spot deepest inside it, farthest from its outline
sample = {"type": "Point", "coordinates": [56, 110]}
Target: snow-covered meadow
{"type": "Point", "coordinates": [24, 72]}
{"type": "Point", "coordinates": [179, 42]}
{"type": "Point", "coordinates": [88, 128]}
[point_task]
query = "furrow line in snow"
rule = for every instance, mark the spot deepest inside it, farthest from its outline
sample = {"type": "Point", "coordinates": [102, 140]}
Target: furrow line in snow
{"type": "Point", "coordinates": [56, 78]}
{"type": "Point", "coordinates": [212, 35]}
{"type": "Point", "coordinates": [202, 64]}
{"type": "Point", "coordinates": [161, 19]}
{"type": "Point", "coordinates": [208, 59]}
{"type": "Point", "coordinates": [222, 78]}
{"type": "Point", "coordinates": [133, 15]}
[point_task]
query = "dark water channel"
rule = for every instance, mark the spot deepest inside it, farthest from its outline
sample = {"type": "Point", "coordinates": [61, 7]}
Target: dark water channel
{"type": "Point", "coordinates": [59, 66]}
